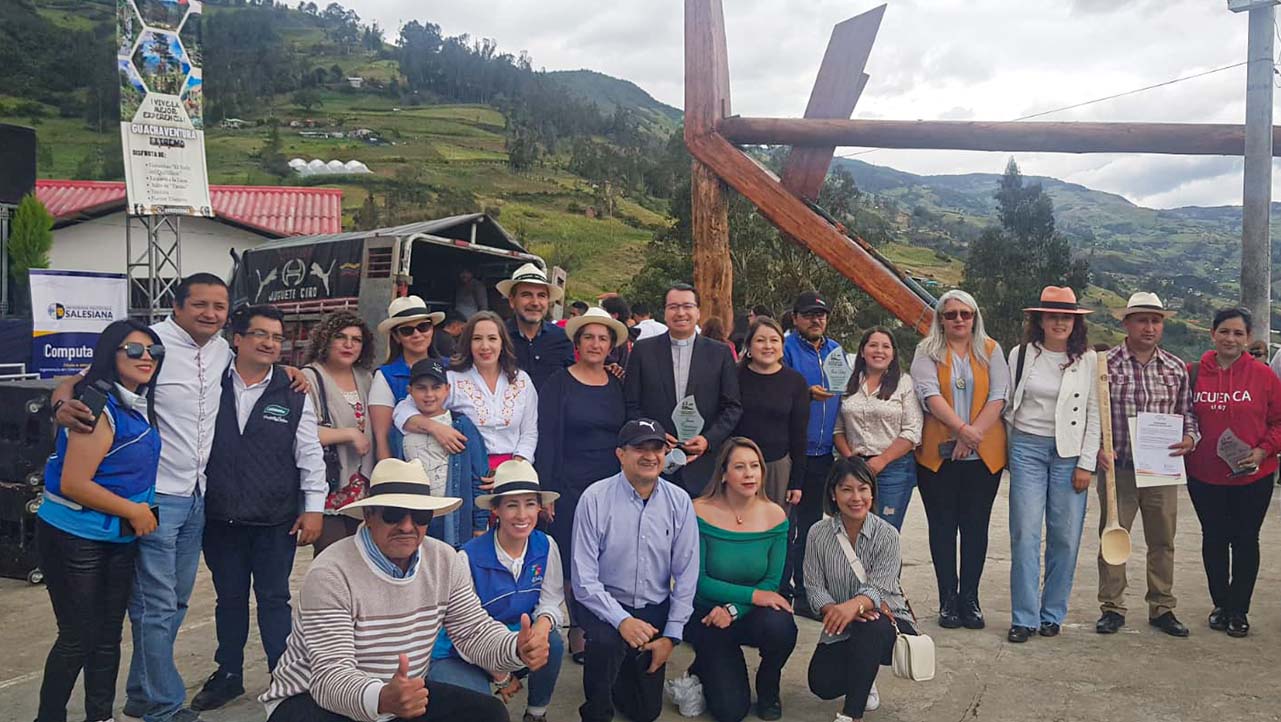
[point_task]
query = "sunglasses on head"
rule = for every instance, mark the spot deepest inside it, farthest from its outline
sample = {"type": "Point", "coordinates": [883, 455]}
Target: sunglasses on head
{"type": "Point", "coordinates": [135, 350]}
{"type": "Point", "coordinates": [964, 315]}
{"type": "Point", "coordinates": [407, 331]}
{"type": "Point", "coordinates": [394, 515]}
{"type": "Point", "coordinates": [1257, 354]}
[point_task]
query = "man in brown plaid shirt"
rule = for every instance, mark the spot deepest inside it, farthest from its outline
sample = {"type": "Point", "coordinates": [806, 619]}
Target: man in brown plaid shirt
{"type": "Point", "coordinates": [1144, 377]}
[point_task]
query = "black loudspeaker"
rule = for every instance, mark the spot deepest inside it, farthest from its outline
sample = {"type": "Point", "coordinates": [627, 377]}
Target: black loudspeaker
{"type": "Point", "coordinates": [17, 162]}
{"type": "Point", "coordinates": [26, 430]}
{"type": "Point", "coordinates": [19, 558]}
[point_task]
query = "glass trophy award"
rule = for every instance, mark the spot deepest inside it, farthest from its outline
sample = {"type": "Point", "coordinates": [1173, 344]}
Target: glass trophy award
{"type": "Point", "coordinates": [689, 423]}
{"type": "Point", "coordinates": [1234, 451]}
{"type": "Point", "coordinates": [837, 371]}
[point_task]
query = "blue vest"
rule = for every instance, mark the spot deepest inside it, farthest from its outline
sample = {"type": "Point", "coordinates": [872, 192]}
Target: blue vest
{"type": "Point", "coordinates": [128, 471]}
{"type": "Point", "coordinates": [504, 598]}
{"type": "Point", "coordinates": [396, 373]}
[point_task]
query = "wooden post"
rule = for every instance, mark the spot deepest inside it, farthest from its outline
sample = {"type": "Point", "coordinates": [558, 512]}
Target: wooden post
{"type": "Point", "coordinates": [706, 103]}
{"type": "Point", "coordinates": [836, 91]}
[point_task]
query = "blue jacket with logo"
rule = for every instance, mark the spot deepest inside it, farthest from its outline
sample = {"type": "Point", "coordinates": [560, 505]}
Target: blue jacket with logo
{"type": "Point", "coordinates": [503, 597]}
{"type": "Point", "coordinates": [802, 356]}
{"type": "Point", "coordinates": [128, 471]}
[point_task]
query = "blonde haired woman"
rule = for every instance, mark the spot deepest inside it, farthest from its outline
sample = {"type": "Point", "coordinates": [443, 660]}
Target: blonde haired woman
{"type": "Point", "coordinates": [742, 549]}
{"type": "Point", "coordinates": [962, 380]}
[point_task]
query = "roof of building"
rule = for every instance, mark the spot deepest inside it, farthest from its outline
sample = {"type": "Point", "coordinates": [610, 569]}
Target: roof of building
{"type": "Point", "coordinates": [276, 211]}
{"type": "Point", "coordinates": [458, 228]}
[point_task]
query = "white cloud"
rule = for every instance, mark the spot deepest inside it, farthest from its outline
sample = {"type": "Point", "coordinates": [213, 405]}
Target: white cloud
{"type": "Point", "coordinates": [933, 59]}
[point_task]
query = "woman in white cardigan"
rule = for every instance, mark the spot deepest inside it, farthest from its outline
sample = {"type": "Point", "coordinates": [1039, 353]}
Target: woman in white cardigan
{"type": "Point", "coordinates": [1053, 420]}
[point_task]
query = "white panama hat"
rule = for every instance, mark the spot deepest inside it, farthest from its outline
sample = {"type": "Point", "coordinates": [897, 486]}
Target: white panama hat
{"type": "Point", "coordinates": [596, 314]}
{"type": "Point", "coordinates": [404, 485]}
{"type": "Point", "coordinates": [530, 273]}
{"type": "Point", "coordinates": [515, 477]}
{"type": "Point", "coordinates": [405, 309]}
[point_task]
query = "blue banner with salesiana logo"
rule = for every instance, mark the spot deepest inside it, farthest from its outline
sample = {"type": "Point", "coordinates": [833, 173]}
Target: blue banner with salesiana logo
{"type": "Point", "coordinates": [69, 309]}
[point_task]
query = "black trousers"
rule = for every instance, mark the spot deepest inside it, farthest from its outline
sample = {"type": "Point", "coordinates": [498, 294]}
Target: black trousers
{"type": "Point", "coordinates": [445, 703]}
{"type": "Point", "coordinates": [719, 662]}
{"type": "Point", "coordinates": [89, 583]}
{"type": "Point", "coordinates": [807, 513]}
{"type": "Point", "coordinates": [616, 675]}
{"type": "Point", "coordinates": [848, 668]}
{"type": "Point", "coordinates": [958, 498]}
{"type": "Point", "coordinates": [239, 556]}
{"type": "Point", "coordinates": [1231, 517]}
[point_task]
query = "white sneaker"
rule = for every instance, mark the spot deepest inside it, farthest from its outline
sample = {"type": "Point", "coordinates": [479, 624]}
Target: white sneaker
{"type": "Point", "coordinates": [843, 718]}
{"type": "Point", "coordinates": [873, 700]}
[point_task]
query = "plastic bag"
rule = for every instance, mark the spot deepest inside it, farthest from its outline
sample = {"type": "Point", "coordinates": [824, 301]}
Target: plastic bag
{"type": "Point", "coordinates": [686, 692]}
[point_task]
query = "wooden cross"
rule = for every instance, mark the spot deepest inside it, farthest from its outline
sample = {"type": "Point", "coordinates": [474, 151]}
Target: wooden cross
{"type": "Point", "coordinates": [711, 132]}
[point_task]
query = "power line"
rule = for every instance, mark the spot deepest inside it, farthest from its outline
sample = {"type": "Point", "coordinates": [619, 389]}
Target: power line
{"type": "Point", "coordinates": [1096, 100]}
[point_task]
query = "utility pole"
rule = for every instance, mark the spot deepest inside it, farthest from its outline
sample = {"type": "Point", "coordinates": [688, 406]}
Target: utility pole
{"type": "Point", "coordinates": [1256, 236]}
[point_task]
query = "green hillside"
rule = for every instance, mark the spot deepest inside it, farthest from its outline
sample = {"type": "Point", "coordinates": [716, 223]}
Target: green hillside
{"type": "Point", "coordinates": [610, 93]}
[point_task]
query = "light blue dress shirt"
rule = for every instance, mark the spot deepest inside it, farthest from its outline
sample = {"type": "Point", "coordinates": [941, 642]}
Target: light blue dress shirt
{"type": "Point", "coordinates": [631, 552]}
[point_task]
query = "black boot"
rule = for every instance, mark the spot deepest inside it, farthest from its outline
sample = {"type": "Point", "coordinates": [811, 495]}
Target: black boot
{"type": "Point", "coordinates": [948, 616]}
{"type": "Point", "coordinates": [971, 613]}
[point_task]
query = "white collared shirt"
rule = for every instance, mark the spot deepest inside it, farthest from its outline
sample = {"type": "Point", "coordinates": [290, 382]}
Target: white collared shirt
{"type": "Point", "coordinates": [552, 594]}
{"type": "Point", "coordinates": [187, 392]}
{"type": "Point", "coordinates": [308, 454]}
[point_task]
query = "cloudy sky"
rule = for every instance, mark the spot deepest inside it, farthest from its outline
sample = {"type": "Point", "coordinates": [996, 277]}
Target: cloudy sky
{"type": "Point", "coordinates": [933, 59]}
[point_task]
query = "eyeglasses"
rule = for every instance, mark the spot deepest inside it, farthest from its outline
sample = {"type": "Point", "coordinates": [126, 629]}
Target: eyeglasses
{"type": "Point", "coordinates": [407, 331]}
{"type": "Point", "coordinates": [260, 335]}
{"type": "Point", "coordinates": [964, 315]}
{"type": "Point", "coordinates": [344, 338]}
{"type": "Point", "coordinates": [135, 350]}
{"type": "Point", "coordinates": [687, 307]}
{"type": "Point", "coordinates": [394, 515]}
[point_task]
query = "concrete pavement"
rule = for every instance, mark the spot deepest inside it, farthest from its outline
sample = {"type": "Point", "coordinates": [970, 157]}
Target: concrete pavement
{"type": "Point", "coordinates": [1138, 675]}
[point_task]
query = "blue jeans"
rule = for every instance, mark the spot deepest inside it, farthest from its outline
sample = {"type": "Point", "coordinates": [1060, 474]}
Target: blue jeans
{"type": "Point", "coordinates": [165, 573]}
{"type": "Point", "coordinates": [1041, 491]}
{"type": "Point", "coordinates": [894, 487]}
{"type": "Point", "coordinates": [541, 683]}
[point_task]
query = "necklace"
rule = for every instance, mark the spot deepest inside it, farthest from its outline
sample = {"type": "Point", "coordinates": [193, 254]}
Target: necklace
{"type": "Point", "coordinates": [738, 518]}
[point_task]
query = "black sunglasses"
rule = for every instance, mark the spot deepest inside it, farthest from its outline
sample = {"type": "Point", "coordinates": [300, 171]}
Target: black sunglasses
{"type": "Point", "coordinates": [407, 331]}
{"type": "Point", "coordinates": [135, 350]}
{"type": "Point", "coordinates": [394, 515]}
{"type": "Point", "coordinates": [1257, 354]}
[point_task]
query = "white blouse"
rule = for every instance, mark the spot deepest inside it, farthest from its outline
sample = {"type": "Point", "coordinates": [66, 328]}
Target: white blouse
{"type": "Point", "coordinates": [871, 424]}
{"type": "Point", "coordinates": [507, 417]}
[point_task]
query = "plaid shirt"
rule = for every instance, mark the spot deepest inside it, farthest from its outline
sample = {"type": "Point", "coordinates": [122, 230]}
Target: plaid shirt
{"type": "Point", "coordinates": [1160, 387]}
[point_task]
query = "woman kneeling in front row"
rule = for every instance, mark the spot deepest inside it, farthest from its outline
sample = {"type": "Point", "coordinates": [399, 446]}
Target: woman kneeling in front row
{"type": "Point", "coordinates": [742, 545]}
{"type": "Point", "coordinates": [852, 567]}
{"type": "Point", "coordinates": [516, 571]}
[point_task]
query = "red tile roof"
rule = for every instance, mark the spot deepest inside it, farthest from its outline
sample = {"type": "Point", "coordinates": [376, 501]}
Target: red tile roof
{"type": "Point", "coordinates": [274, 210]}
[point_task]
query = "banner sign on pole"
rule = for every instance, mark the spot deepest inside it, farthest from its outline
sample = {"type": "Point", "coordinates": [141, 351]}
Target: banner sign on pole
{"type": "Point", "coordinates": [69, 309]}
{"type": "Point", "coordinates": [162, 128]}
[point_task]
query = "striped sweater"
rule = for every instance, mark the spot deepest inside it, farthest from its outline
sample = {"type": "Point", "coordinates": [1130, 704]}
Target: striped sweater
{"type": "Point", "coordinates": [352, 622]}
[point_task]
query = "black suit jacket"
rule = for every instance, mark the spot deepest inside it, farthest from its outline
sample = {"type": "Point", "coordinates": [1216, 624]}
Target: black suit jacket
{"type": "Point", "coordinates": [650, 390]}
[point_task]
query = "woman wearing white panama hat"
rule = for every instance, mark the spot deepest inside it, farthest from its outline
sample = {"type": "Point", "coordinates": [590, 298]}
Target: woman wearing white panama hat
{"type": "Point", "coordinates": [409, 326]}
{"type": "Point", "coordinates": [390, 576]}
{"type": "Point", "coordinates": [516, 570]}
{"type": "Point", "coordinates": [580, 410]}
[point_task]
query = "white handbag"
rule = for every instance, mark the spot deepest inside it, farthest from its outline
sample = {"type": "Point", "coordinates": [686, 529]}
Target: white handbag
{"type": "Point", "coordinates": [913, 653]}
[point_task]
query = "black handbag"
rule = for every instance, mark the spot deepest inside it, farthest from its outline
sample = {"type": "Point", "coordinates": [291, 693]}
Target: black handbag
{"type": "Point", "coordinates": [333, 465]}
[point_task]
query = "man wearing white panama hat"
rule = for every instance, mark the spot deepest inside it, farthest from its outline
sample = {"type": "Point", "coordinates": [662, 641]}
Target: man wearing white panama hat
{"type": "Point", "coordinates": [541, 348]}
{"type": "Point", "coordinates": [1144, 377]}
{"type": "Point", "coordinates": [371, 608]}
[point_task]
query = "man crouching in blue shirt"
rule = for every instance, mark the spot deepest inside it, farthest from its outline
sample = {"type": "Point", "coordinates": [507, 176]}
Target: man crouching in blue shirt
{"type": "Point", "coordinates": [635, 569]}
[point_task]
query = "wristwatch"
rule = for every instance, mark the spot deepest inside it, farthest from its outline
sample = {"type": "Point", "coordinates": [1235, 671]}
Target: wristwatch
{"type": "Point", "coordinates": [733, 612]}
{"type": "Point", "coordinates": [501, 684]}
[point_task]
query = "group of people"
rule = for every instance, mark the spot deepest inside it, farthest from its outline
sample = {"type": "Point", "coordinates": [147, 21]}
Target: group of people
{"type": "Point", "coordinates": [641, 484]}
